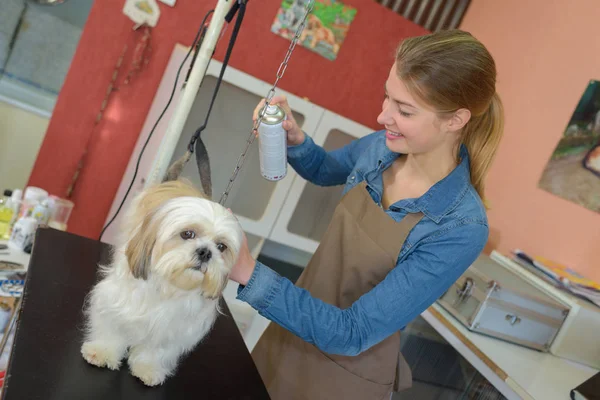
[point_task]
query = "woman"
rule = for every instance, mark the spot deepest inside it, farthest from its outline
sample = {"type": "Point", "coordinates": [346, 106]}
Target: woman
{"type": "Point", "coordinates": [411, 221]}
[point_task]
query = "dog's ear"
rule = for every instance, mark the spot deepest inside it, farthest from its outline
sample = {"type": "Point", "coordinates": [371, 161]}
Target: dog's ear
{"type": "Point", "coordinates": [139, 249]}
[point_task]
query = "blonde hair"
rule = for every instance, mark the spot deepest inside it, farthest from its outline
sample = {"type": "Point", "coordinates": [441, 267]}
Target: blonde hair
{"type": "Point", "coordinates": [450, 70]}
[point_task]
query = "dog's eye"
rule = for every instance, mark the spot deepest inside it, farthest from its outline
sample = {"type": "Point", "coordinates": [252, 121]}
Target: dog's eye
{"type": "Point", "coordinates": [221, 247]}
{"type": "Point", "coordinates": [187, 235]}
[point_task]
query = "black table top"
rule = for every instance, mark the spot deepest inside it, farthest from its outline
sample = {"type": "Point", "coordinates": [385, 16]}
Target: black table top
{"type": "Point", "coordinates": [46, 362]}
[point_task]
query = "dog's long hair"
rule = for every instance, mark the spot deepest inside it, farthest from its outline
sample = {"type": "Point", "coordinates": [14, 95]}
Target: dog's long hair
{"type": "Point", "coordinates": [159, 296]}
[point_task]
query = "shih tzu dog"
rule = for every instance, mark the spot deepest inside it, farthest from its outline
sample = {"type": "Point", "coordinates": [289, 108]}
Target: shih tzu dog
{"type": "Point", "coordinates": [159, 296]}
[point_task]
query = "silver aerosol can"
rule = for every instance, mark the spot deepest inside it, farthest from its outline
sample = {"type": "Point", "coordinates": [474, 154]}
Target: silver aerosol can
{"type": "Point", "coordinates": [272, 142]}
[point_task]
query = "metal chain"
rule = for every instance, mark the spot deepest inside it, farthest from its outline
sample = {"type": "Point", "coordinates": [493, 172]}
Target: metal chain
{"type": "Point", "coordinates": [280, 72]}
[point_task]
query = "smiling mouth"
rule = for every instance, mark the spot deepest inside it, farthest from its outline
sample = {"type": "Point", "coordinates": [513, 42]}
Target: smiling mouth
{"type": "Point", "coordinates": [394, 134]}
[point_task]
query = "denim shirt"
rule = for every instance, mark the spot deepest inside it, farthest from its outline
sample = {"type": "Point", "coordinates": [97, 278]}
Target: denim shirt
{"type": "Point", "coordinates": [451, 235]}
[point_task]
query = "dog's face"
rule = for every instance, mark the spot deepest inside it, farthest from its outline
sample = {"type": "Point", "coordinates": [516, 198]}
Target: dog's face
{"type": "Point", "coordinates": [191, 242]}
{"type": "Point", "coordinates": [313, 22]}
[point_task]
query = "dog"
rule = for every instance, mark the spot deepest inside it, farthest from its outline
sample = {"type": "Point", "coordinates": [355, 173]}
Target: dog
{"type": "Point", "coordinates": [318, 33]}
{"type": "Point", "coordinates": [159, 296]}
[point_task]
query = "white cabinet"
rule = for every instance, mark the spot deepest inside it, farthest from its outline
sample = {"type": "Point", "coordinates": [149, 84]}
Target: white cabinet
{"type": "Point", "coordinates": [308, 209]}
{"type": "Point", "coordinates": [255, 201]}
{"type": "Point", "coordinates": [291, 212]}
{"type": "Point", "coordinates": [291, 215]}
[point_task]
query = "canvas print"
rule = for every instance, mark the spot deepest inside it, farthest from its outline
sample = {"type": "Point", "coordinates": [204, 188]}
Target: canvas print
{"type": "Point", "coordinates": [573, 171]}
{"type": "Point", "coordinates": [326, 26]}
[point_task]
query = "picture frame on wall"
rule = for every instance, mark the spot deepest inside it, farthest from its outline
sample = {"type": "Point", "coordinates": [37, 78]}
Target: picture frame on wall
{"type": "Point", "coordinates": [573, 170]}
{"type": "Point", "coordinates": [326, 26]}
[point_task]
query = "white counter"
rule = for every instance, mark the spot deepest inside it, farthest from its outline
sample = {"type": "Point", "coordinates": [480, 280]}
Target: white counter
{"type": "Point", "coordinates": [517, 372]}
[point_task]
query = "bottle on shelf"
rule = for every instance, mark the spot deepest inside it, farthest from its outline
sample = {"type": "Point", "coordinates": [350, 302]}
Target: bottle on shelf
{"type": "Point", "coordinates": [6, 214]}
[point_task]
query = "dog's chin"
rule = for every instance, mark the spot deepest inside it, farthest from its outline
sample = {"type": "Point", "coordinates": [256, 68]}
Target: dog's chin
{"type": "Point", "coordinates": [207, 278]}
{"type": "Point", "coordinates": [189, 277]}
{"type": "Point", "coordinates": [202, 267]}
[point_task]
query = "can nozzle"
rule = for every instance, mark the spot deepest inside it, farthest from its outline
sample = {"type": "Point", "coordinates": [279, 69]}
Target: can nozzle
{"type": "Point", "coordinates": [271, 109]}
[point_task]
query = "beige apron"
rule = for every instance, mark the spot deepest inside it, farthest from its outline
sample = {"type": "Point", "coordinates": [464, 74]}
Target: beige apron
{"type": "Point", "coordinates": [359, 248]}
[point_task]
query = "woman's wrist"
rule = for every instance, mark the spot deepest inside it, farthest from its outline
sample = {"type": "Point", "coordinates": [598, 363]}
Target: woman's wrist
{"type": "Point", "coordinates": [243, 269]}
{"type": "Point", "coordinates": [297, 139]}
{"type": "Point", "coordinates": [247, 272]}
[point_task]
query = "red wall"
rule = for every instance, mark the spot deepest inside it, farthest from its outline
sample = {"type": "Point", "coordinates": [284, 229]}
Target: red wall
{"type": "Point", "coordinates": [351, 86]}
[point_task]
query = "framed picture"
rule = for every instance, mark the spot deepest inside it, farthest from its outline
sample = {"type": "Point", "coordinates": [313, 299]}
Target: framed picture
{"type": "Point", "coordinates": [326, 26]}
{"type": "Point", "coordinates": [573, 171]}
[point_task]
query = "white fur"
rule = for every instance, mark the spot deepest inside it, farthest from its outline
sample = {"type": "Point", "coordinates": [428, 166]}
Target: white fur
{"type": "Point", "coordinates": [154, 320]}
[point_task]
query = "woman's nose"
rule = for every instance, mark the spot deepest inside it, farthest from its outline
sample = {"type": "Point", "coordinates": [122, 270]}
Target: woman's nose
{"type": "Point", "coordinates": [384, 117]}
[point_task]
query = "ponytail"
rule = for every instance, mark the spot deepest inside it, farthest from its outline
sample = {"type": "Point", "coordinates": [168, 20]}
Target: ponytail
{"type": "Point", "coordinates": [481, 136]}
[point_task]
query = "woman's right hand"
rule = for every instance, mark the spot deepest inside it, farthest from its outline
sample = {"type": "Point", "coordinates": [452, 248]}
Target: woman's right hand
{"type": "Point", "coordinates": [295, 136]}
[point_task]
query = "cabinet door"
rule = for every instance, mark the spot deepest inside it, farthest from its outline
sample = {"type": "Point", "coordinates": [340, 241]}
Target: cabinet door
{"type": "Point", "coordinates": [255, 200]}
{"type": "Point", "coordinates": [309, 208]}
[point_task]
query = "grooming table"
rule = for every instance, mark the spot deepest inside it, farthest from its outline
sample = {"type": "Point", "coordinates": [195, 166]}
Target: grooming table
{"type": "Point", "coordinates": [46, 362]}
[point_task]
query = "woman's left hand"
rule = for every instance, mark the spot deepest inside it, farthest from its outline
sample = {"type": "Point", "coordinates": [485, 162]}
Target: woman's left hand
{"type": "Point", "coordinates": [244, 266]}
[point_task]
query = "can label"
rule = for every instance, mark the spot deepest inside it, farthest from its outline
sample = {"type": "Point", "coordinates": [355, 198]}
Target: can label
{"type": "Point", "coordinates": [272, 139]}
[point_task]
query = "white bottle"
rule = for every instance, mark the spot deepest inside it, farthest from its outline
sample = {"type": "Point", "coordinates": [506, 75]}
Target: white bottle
{"type": "Point", "coordinates": [32, 196]}
{"type": "Point", "coordinates": [272, 141]}
{"type": "Point", "coordinates": [23, 233]}
{"type": "Point", "coordinates": [16, 202]}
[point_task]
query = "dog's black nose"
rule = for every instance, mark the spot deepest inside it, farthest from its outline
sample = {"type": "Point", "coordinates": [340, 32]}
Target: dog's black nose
{"type": "Point", "coordinates": [204, 254]}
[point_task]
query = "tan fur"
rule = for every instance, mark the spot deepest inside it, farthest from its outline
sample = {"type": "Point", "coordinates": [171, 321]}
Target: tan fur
{"type": "Point", "coordinates": [213, 285]}
{"type": "Point", "coordinates": [140, 247]}
{"type": "Point", "coordinates": [183, 279]}
{"type": "Point", "coordinates": [159, 194]}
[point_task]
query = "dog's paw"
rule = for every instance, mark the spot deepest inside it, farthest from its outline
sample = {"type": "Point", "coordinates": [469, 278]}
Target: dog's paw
{"type": "Point", "coordinates": [150, 374]}
{"type": "Point", "coordinates": [101, 355]}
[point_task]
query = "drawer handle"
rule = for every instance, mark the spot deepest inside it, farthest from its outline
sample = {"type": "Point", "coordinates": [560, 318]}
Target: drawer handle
{"type": "Point", "coordinates": [513, 319]}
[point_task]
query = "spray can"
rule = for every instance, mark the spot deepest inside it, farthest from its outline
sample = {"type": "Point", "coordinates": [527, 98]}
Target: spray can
{"type": "Point", "coordinates": [272, 140]}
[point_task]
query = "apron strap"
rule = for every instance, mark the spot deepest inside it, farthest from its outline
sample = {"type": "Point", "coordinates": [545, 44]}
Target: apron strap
{"type": "Point", "coordinates": [403, 378]}
{"type": "Point", "coordinates": [408, 223]}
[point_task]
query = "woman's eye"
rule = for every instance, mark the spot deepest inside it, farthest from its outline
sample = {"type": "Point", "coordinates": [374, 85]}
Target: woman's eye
{"type": "Point", "coordinates": [221, 247]}
{"type": "Point", "coordinates": [187, 235]}
{"type": "Point", "coordinates": [405, 114]}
